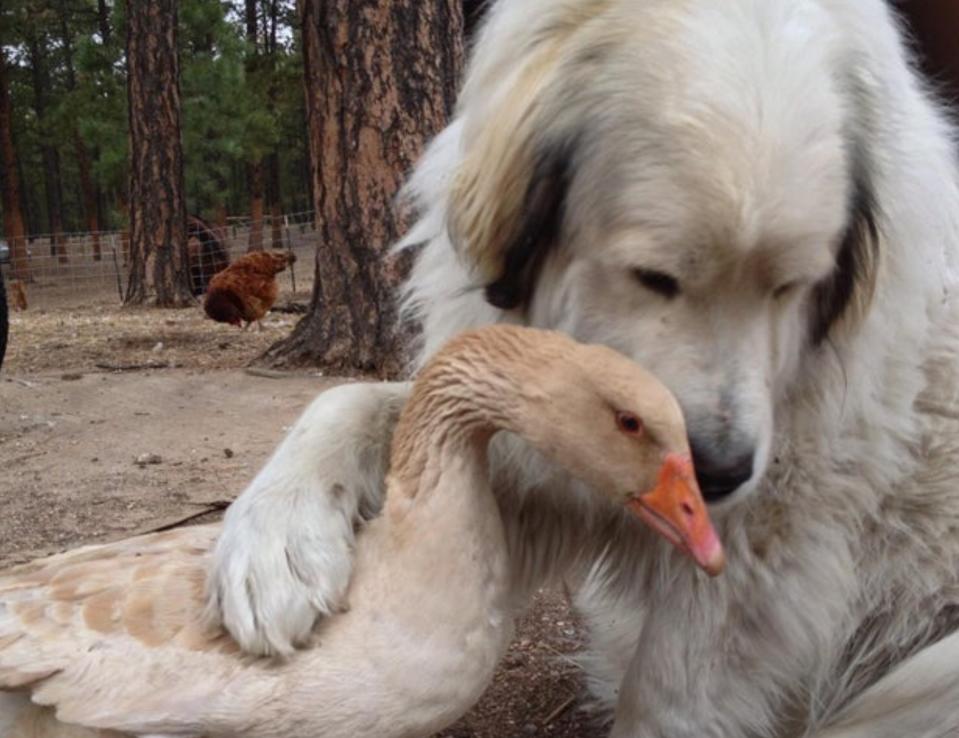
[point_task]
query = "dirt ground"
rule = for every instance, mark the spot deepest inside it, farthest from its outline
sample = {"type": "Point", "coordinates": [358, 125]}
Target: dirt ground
{"type": "Point", "coordinates": [85, 393]}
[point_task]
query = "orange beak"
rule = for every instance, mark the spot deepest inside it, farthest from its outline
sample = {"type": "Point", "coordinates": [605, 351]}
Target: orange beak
{"type": "Point", "coordinates": [675, 509]}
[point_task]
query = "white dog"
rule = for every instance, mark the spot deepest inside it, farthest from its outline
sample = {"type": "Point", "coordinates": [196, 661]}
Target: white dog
{"type": "Point", "coordinates": [757, 200]}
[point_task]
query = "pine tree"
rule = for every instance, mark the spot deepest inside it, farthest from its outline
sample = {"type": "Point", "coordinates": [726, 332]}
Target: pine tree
{"type": "Point", "coordinates": [90, 195]}
{"type": "Point", "coordinates": [73, 160]}
{"type": "Point", "coordinates": [37, 43]}
{"type": "Point", "coordinates": [13, 222]}
{"type": "Point", "coordinates": [381, 77]}
{"type": "Point", "coordinates": [157, 209]}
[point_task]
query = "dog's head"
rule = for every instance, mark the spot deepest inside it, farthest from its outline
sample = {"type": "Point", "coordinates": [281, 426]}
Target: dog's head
{"type": "Point", "coordinates": [690, 187]}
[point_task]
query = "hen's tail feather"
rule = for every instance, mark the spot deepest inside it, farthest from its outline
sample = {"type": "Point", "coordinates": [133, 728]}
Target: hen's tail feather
{"type": "Point", "coordinates": [223, 306]}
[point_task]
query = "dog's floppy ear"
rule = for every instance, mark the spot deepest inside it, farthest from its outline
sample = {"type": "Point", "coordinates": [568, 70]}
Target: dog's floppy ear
{"type": "Point", "coordinates": [536, 232]}
{"type": "Point", "coordinates": [847, 292]}
{"type": "Point", "coordinates": [507, 197]}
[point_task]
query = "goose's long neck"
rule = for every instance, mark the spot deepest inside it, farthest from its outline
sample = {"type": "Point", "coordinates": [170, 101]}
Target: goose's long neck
{"type": "Point", "coordinates": [478, 385]}
{"type": "Point", "coordinates": [431, 600]}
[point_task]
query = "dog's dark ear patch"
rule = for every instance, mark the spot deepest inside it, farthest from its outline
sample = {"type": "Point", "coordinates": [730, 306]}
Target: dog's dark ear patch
{"type": "Point", "coordinates": [543, 209]}
{"type": "Point", "coordinates": [856, 263]}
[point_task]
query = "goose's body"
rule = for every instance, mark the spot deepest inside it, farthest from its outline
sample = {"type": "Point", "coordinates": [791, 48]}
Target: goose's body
{"type": "Point", "coordinates": [112, 638]}
{"type": "Point", "coordinates": [400, 663]}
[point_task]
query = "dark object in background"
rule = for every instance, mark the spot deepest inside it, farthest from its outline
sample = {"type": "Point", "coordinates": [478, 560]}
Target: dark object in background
{"type": "Point", "coordinates": [934, 25]}
{"type": "Point", "coordinates": [473, 12]}
{"type": "Point", "coordinates": [207, 254]}
{"type": "Point", "coordinates": [4, 310]}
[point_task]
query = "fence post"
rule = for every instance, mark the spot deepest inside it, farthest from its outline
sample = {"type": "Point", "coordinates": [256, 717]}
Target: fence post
{"type": "Point", "coordinates": [116, 265]}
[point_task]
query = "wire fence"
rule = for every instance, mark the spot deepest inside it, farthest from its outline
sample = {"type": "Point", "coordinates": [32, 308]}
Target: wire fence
{"type": "Point", "coordinates": [92, 268]}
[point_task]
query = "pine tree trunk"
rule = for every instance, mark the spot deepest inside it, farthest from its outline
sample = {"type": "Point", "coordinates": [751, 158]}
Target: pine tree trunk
{"type": "Point", "coordinates": [88, 190]}
{"type": "Point", "coordinates": [54, 192]}
{"type": "Point", "coordinates": [220, 220]}
{"type": "Point", "coordinates": [123, 206]}
{"type": "Point", "coordinates": [935, 25]}
{"type": "Point", "coordinates": [255, 241]}
{"type": "Point", "coordinates": [381, 78]}
{"type": "Point", "coordinates": [221, 228]}
{"type": "Point", "coordinates": [88, 193]}
{"type": "Point", "coordinates": [13, 223]}
{"type": "Point", "coordinates": [254, 168]}
{"type": "Point", "coordinates": [106, 34]}
{"type": "Point", "coordinates": [276, 206]}
{"type": "Point", "coordinates": [157, 211]}
{"type": "Point", "coordinates": [103, 22]}
{"type": "Point", "coordinates": [273, 160]}
{"type": "Point", "coordinates": [473, 12]}
{"type": "Point", "coordinates": [52, 185]}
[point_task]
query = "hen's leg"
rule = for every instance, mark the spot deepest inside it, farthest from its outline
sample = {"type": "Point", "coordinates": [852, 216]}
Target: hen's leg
{"type": "Point", "coordinates": [286, 551]}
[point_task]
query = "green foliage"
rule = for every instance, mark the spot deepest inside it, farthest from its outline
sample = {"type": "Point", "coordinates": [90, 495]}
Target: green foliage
{"type": "Point", "coordinates": [213, 89]}
{"type": "Point", "coordinates": [241, 101]}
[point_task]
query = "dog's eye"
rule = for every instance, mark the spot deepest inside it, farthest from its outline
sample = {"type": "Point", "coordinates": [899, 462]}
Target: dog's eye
{"type": "Point", "coordinates": [658, 282]}
{"type": "Point", "coordinates": [784, 290]}
{"type": "Point", "coordinates": [629, 423]}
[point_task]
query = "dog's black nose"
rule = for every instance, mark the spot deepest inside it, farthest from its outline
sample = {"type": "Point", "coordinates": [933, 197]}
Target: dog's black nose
{"type": "Point", "coordinates": [720, 474]}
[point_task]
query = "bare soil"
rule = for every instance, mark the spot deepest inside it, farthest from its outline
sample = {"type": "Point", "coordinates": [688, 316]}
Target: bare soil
{"type": "Point", "coordinates": [104, 337]}
{"type": "Point", "coordinates": [85, 393]}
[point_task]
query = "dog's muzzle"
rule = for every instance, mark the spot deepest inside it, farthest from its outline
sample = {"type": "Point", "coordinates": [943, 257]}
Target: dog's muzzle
{"type": "Point", "coordinates": [721, 471]}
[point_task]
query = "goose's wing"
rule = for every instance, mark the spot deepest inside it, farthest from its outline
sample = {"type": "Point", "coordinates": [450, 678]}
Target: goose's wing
{"type": "Point", "coordinates": [114, 637]}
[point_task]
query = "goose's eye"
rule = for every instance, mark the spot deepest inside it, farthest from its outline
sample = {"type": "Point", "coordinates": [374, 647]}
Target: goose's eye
{"type": "Point", "coordinates": [629, 423]}
{"type": "Point", "coordinates": [659, 282]}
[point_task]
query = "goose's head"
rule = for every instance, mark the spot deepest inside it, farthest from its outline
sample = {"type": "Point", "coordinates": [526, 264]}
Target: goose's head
{"type": "Point", "coordinates": [617, 427]}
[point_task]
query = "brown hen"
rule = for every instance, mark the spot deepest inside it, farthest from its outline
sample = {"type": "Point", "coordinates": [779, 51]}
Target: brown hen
{"type": "Point", "coordinates": [246, 290]}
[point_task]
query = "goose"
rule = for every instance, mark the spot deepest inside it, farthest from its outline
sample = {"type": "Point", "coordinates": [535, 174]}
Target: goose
{"type": "Point", "coordinates": [111, 639]}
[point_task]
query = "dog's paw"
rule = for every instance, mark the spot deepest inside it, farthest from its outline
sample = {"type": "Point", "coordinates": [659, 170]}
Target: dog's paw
{"type": "Point", "coordinates": [277, 571]}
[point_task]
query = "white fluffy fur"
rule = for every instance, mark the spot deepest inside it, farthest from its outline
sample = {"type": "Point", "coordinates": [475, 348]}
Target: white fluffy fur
{"type": "Point", "coordinates": [314, 488]}
{"type": "Point", "coordinates": [712, 142]}
{"type": "Point", "coordinates": [917, 698]}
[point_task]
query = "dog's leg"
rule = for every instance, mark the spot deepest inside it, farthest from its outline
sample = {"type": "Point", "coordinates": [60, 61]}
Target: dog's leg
{"type": "Point", "coordinates": [286, 552]}
{"type": "Point", "coordinates": [918, 699]}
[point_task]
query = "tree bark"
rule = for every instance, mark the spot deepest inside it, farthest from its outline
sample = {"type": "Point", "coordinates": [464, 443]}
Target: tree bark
{"type": "Point", "coordinates": [123, 207]}
{"type": "Point", "coordinates": [473, 12]}
{"type": "Point", "coordinates": [255, 239]}
{"type": "Point", "coordinates": [276, 204]}
{"type": "Point", "coordinates": [273, 160]}
{"type": "Point", "coordinates": [158, 242]}
{"type": "Point", "coordinates": [935, 25]}
{"type": "Point", "coordinates": [106, 36]}
{"type": "Point", "coordinates": [103, 22]}
{"type": "Point", "coordinates": [380, 79]}
{"type": "Point", "coordinates": [31, 218]}
{"type": "Point", "coordinates": [88, 189]}
{"type": "Point", "coordinates": [89, 193]}
{"type": "Point", "coordinates": [14, 228]}
{"type": "Point", "coordinates": [255, 167]}
{"type": "Point", "coordinates": [250, 17]}
{"type": "Point", "coordinates": [53, 187]}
